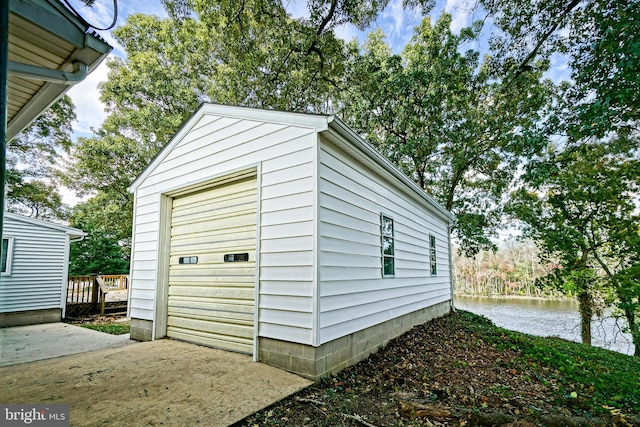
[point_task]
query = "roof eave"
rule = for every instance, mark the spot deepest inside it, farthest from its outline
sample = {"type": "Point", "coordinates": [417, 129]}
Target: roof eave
{"type": "Point", "coordinates": [56, 19]}
{"type": "Point", "coordinates": [341, 128]}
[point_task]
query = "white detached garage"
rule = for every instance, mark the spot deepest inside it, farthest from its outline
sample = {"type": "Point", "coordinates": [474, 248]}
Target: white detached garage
{"type": "Point", "coordinates": [285, 236]}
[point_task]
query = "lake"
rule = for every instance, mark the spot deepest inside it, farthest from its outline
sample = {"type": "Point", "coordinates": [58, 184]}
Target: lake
{"type": "Point", "coordinates": [546, 318]}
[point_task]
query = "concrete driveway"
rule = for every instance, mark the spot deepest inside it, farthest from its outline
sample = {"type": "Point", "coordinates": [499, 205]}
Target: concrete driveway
{"type": "Point", "coordinates": [164, 382]}
{"type": "Point", "coordinates": [22, 344]}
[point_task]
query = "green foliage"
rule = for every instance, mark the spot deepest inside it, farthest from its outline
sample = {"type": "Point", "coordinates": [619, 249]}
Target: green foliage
{"type": "Point", "coordinates": [34, 198]}
{"type": "Point", "coordinates": [514, 269]}
{"type": "Point", "coordinates": [32, 156]}
{"type": "Point", "coordinates": [106, 248]}
{"type": "Point", "coordinates": [601, 41]}
{"type": "Point", "coordinates": [443, 118]}
{"type": "Point", "coordinates": [250, 53]}
{"type": "Point", "coordinates": [39, 146]}
{"type": "Point", "coordinates": [579, 205]}
{"type": "Point", "coordinates": [599, 377]}
{"type": "Point", "coordinates": [118, 328]}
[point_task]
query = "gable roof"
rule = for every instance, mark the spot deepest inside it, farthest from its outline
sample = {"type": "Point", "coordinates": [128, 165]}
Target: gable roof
{"type": "Point", "coordinates": [329, 125]}
{"type": "Point", "coordinates": [70, 231]}
{"type": "Point", "coordinates": [50, 49]}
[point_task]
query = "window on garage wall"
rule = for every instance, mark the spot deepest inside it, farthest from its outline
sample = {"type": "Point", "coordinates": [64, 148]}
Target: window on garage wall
{"type": "Point", "coordinates": [388, 246]}
{"type": "Point", "coordinates": [7, 249]}
{"type": "Point", "coordinates": [432, 255]}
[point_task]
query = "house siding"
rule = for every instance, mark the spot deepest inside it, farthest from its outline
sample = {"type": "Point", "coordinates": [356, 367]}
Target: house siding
{"type": "Point", "coordinates": [38, 267]}
{"type": "Point", "coordinates": [213, 147]}
{"type": "Point", "coordinates": [353, 295]}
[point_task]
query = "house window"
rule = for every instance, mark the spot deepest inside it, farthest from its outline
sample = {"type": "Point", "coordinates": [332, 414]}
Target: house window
{"type": "Point", "coordinates": [432, 255]}
{"type": "Point", "coordinates": [388, 246]}
{"type": "Point", "coordinates": [7, 248]}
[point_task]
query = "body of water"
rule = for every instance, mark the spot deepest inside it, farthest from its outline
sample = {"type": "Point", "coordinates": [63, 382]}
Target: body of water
{"type": "Point", "coordinates": [546, 318]}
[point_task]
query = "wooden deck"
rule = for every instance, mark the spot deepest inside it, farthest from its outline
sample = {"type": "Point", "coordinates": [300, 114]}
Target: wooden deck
{"type": "Point", "coordinates": [97, 294]}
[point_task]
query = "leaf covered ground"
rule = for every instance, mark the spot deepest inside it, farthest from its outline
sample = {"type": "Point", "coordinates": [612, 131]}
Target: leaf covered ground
{"type": "Point", "coordinates": [462, 370]}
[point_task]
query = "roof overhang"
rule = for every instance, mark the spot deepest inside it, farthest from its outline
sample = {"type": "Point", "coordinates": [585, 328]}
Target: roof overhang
{"type": "Point", "coordinates": [50, 49]}
{"type": "Point", "coordinates": [73, 233]}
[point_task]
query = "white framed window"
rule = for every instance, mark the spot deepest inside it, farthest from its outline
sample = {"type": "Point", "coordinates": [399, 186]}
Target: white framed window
{"type": "Point", "coordinates": [6, 255]}
{"type": "Point", "coordinates": [388, 246]}
{"type": "Point", "coordinates": [432, 255]}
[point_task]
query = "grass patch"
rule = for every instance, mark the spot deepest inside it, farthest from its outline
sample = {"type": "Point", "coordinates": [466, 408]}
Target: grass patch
{"type": "Point", "coordinates": [585, 377]}
{"type": "Point", "coordinates": [118, 328]}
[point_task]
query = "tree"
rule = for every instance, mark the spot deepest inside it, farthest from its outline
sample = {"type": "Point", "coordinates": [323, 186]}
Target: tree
{"type": "Point", "coordinates": [103, 250]}
{"type": "Point", "coordinates": [578, 205]}
{"type": "Point", "coordinates": [600, 40]}
{"type": "Point", "coordinates": [35, 198]}
{"type": "Point", "coordinates": [441, 116]}
{"type": "Point", "coordinates": [597, 107]}
{"type": "Point", "coordinates": [250, 53]}
{"type": "Point", "coordinates": [32, 157]}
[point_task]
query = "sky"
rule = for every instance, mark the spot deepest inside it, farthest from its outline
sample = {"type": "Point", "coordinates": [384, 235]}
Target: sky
{"type": "Point", "coordinates": [396, 22]}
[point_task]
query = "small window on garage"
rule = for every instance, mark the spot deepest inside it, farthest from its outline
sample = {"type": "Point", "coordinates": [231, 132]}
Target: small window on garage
{"type": "Point", "coordinates": [388, 246]}
{"type": "Point", "coordinates": [7, 249]}
{"type": "Point", "coordinates": [432, 255]}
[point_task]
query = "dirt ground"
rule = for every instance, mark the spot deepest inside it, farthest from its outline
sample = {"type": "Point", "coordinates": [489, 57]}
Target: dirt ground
{"type": "Point", "coordinates": [163, 382]}
{"type": "Point", "coordinates": [447, 372]}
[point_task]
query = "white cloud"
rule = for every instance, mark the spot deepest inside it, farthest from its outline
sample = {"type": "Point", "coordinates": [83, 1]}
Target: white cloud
{"type": "Point", "coordinates": [460, 14]}
{"type": "Point", "coordinates": [297, 8]}
{"type": "Point", "coordinates": [69, 197]}
{"type": "Point", "coordinates": [398, 23]}
{"type": "Point", "coordinates": [86, 97]}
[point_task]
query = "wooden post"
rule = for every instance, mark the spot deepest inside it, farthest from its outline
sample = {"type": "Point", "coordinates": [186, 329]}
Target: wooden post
{"type": "Point", "coordinates": [94, 289]}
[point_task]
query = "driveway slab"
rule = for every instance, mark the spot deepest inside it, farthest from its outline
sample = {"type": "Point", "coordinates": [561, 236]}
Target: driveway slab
{"type": "Point", "coordinates": [22, 344]}
{"type": "Point", "coordinates": [164, 382]}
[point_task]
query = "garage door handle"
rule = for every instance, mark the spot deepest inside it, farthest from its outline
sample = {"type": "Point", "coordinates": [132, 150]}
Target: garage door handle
{"type": "Point", "coordinates": [243, 257]}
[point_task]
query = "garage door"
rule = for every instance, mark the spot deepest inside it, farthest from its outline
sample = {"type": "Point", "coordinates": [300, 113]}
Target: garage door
{"type": "Point", "coordinates": [212, 266]}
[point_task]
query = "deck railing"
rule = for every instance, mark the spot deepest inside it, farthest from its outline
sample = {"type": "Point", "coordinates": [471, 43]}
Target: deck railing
{"type": "Point", "coordinates": [85, 289]}
{"type": "Point", "coordinates": [80, 289]}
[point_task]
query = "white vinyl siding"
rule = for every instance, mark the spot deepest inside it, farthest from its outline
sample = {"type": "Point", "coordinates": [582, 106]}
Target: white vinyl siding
{"type": "Point", "coordinates": [353, 295]}
{"type": "Point", "coordinates": [38, 265]}
{"type": "Point", "coordinates": [211, 147]}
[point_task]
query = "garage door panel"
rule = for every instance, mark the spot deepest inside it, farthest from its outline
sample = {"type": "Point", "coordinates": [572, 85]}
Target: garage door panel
{"type": "Point", "coordinates": [223, 195]}
{"type": "Point", "coordinates": [212, 340]}
{"type": "Point", "coordinates": [244, 211]}
{"type": "Point", "coordinates": [211, 301]}
{"type": "Point", "coordinates": [215, 209]}
{"type": "Point", "coordinates": [211, 313]}
{"type": "Point", "coordinates": [215, 259]}
{"type": "Point", "coordinates": [223, 293]}
{"type": "Point", "coordinates": [227, 238]}
{"type": "Point", "coordinates": [205, 280]}
{"type": "Point", "coordinates": [240, 223]}
{"type": "Point", "coordinates": [222, 318]}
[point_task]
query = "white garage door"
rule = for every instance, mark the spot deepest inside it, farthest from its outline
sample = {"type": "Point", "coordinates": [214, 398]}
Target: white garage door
{"type": "Point", "coordinates": [212, 266]}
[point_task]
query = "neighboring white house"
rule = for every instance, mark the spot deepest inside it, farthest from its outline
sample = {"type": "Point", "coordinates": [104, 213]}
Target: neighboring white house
{"type": "Point", "coordinates": [285, 236]}
{"type": "Point", "coordinates": [35, 263]}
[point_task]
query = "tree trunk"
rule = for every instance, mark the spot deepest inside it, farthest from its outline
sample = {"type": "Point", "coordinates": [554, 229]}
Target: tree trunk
{"type": "Point", "coordinates": [634, 329]}
{"type": "Point", "coordinates": [586, 313]}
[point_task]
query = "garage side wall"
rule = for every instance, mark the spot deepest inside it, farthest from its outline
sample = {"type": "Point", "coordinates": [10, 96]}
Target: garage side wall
{"type": "Point", "coordinates": [212, 147]}
{"type": "Point", "coordinates": [353, 294]}
{"type": "Point", "coordinates": [33, 289]}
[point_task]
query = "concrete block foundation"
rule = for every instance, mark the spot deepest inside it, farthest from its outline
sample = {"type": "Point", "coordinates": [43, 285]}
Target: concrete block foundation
{"type": "Point", "coordinates": [30, 317]}
{"type": "Point", "coordinates": [141, 330]}
{"type": "Point", "coordinates": [317, 362]}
